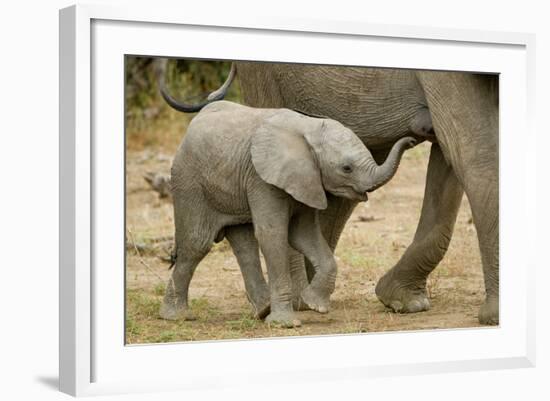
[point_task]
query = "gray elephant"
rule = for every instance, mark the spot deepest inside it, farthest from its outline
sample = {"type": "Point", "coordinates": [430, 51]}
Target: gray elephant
{"type": "Point", "coordinates": [457, 111]}
{"type": "Point", "coordinates": [270, 167]}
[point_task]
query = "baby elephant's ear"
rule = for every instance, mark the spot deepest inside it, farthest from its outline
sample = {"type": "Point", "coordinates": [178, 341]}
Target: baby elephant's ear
{"type": "Point", "coordinates": [283, 158]}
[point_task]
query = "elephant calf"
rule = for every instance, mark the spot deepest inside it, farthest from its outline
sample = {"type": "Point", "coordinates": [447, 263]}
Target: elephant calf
{"type": "Point", "coordinates": [270, 167]}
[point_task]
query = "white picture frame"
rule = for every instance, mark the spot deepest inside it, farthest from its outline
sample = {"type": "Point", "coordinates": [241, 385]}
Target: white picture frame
{"type": "Point", "coordinates": [93, 357]}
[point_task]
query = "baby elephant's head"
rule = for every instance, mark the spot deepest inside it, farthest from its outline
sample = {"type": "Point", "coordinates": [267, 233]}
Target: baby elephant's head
{"type": "Point", "coordinates": [347, 166]}
{"type": "Point", "coordinates": [307, 156]}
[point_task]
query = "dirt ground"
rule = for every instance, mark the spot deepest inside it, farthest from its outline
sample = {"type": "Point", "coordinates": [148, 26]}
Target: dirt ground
{"type": "Point", "coordinates": [373, 240]}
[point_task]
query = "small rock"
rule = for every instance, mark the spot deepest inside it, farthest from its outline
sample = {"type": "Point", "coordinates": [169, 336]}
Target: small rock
{"type": "Point", "coordinates": [161, 157]}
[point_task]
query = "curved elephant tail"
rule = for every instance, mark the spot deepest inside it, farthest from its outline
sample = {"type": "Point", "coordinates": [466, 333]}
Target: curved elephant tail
{"type": "Point", "coordinates": [218, 94]}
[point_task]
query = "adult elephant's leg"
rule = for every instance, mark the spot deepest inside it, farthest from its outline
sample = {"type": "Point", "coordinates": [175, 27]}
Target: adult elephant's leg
{"type": "Point", "coordinates": [465, 114]}
{"type": "Point", "coordinates": [403, 288]}
{"type": "Point", "coordinates": [483, 197]}
{"type": "Point", "coordinates": [333, 219]}
{"type": "Point", "coordinates": [246, 250]}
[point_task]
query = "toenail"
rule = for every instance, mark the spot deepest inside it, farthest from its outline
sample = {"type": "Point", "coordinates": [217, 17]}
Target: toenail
{"type": "Point", "coordinates": [396, 306]}
{"type": "Point", "coordinates": [414, 306]}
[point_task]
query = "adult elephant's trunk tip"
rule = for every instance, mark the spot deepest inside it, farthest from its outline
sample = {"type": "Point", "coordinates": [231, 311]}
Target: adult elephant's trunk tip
{"type": "Point", "coordinates": [387, 170]}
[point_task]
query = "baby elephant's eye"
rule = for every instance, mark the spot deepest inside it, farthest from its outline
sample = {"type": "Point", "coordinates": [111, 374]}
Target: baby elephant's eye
{"type": "Point", "coordinates": [347, 168]}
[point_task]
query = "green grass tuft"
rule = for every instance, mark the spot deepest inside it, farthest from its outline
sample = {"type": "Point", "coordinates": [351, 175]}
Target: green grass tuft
{"type": "Point", "coordinates": [245, 322]}
{"type": "Point", "coordinates": [160, 289]}
{"type": "Point", "coordinates": [203, 309]}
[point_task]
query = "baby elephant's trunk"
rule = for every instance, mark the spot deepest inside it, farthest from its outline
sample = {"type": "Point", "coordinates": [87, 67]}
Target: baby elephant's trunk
{"type": "Point", "coordinates": [386, 171]}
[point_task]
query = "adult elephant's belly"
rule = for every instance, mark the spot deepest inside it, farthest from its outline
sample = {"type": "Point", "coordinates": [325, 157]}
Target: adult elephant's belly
{"type": "Point", "coordinates": [379, 105]}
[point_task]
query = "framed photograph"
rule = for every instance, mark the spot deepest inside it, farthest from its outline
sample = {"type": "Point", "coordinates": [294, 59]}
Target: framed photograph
{"type": "Point", "coordinates": [207, 242]}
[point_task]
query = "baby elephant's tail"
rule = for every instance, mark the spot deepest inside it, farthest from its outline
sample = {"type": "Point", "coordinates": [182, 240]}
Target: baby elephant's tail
{"type": "Point", "coordinates": [173, 257]}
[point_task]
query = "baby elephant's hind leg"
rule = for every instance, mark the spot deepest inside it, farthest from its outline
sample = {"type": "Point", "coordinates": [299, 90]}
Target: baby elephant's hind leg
{"type": "Point", "coordinates": [175, 305]}
{"type": "Point", "coordinates": [246, 250]}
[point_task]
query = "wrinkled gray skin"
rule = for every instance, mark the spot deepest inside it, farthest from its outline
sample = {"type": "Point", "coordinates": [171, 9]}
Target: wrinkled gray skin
{"type": "Point", "coordinates": [381, 106]}
{"type": "Point", "coordinates": [271, 167]}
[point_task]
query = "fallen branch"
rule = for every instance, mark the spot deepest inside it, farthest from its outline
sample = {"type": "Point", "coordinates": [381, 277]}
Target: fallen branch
{"type": "Point", "coordinates": [140, 258]}
{"type": "Point", "coordinates": [366, 219]}
{"type": "Point", "coordinates": [160, 183]}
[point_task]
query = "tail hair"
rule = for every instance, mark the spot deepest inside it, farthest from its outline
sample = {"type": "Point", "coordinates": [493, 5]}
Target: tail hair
{"type": "Point", "coordinates": [173, 257]}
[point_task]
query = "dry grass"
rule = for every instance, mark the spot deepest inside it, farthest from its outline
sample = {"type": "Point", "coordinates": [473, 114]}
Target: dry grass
{"type": "Point", "coordinates": [161, 134]}
{"type": "Point", "coordinates": [373, 240]}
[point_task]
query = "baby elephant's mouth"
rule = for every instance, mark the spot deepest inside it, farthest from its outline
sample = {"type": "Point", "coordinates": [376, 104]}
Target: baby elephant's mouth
{"type": "Point", "coordinates": [363, 196]}
{"type": "Point", "coordinates": [360, 195]}
{"type": "Point", "coordinates": [351, 193]}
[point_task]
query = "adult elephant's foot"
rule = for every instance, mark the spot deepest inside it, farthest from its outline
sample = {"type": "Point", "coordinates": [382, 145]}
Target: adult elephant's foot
{"type": "Point", "coordinates": [175, 311]}
{"type": "Point", "coordinates": [315, 300]}
{"type": "Point", "coordinates": [489, 312]}
{"type": "Point", "coordinates": [401, 297]}
{"type": "Point", "coordinates": [285, 319]}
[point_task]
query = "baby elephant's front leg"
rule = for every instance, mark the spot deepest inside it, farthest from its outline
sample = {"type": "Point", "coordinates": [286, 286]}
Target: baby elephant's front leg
{"type": "Point", "coordinates": [305, 236]}
{"type": "Point", "coordinates": [270, 214]}
{"type": "Point", "coordinates": [275, 251]}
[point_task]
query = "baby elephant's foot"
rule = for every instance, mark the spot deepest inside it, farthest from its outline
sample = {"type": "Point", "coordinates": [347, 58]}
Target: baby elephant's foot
{"type": "Point", "coordinates": [298, 304]}
{"type": "Point", "coordinates": [261, 308]}
{"type": "Point", "coordinates": [173, 311]}
{"type": "Point", "coordinates": [316, 301]}
{"type": "Point", "coordinates": [285, 319]}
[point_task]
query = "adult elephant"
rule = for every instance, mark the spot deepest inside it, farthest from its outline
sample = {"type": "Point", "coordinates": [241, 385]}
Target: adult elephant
{"type": "Point", "coordinates": [457, 111]}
